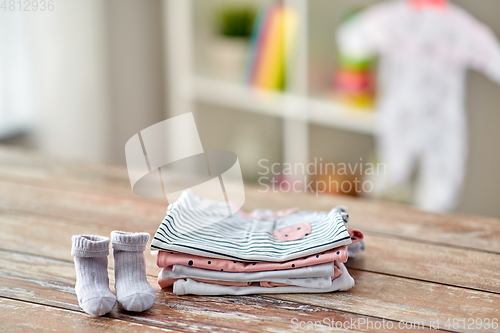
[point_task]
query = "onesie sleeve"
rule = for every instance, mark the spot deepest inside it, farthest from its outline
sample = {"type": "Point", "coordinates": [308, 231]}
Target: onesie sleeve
{"type": "Point", "coordinates": [483, 49]}
{"type": "Point", "coordinates": [365, 34]}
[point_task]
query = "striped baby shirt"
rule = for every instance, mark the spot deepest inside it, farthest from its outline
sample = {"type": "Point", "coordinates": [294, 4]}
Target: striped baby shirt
{"type": "Point", "coordinates": [202, 227]}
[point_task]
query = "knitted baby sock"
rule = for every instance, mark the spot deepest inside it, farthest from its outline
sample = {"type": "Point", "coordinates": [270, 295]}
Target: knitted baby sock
{"type": "Point", "coordinates": [92, 283]}
{"type": "Point", "coordinates": [132, 288]}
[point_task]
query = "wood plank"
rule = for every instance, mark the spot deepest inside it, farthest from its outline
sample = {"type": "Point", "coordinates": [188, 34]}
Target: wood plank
{"type": "Point", "coordinates": [473, 232]}
{"type": "Point", "coordinates": [376, 296]}
{"type": "Point", "coordinates": [17, 316]}
{"type": "Point", "coordinates": [377, 217]}
{"type": "Point", "coordinates": [57, 199]}
{"type": "Point", "coordinates": [22, 165]}
{"type": "Point", "coordinates": [481, 233]}
{"type": "Point", "coordinates": [94, 207]}
{"type": "Point", "coordinates": [387, 255]}
{"type": "Point", "coordinates": [364, 297]}
{"type": "Point", "coordinates": [51, 237]}
{"type": "Point", "coordinates": [51, 282]}
{"type": "Point", "coordinates": [429, 262]}
{"type": "Point", "coordinates": [407, 300]}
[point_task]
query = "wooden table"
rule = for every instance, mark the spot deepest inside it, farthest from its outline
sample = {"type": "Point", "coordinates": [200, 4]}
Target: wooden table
{"type": "Point", "coordinates": [417, 268]}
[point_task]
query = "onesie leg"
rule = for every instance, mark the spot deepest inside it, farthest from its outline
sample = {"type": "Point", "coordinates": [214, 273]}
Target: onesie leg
{"type": "Point", "coordinates": [398, 156]}
{"type": "Point", "coordinates": [442, 172]}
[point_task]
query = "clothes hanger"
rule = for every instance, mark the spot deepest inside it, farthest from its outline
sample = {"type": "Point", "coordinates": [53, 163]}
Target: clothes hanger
{"type": "Point", "coordinates": [432, 4]}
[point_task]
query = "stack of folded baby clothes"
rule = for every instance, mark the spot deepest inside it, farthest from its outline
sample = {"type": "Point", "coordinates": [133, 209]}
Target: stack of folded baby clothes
{"type": "Point", "coordinates": [203, 250]}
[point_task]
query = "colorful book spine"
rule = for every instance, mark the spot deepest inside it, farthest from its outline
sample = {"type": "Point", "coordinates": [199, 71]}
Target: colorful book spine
{"type": "Point", "coordinates": [272, 46]}
{"type": "Point", "coordinates": [272, 53]}
{"type": "Point", "coordinates": [258, 41]}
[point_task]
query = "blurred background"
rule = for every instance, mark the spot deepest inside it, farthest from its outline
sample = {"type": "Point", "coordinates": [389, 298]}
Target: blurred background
{"type": "Point", "coordinates": [80, 78]}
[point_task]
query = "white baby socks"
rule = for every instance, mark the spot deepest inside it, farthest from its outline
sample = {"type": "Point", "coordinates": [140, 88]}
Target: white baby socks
{"type": "Point", "coordinates": [132, 288]}
{"type": "Point", "coordinates": [92, 283]}
{"type": "Point", "coordinates": [91, 263]}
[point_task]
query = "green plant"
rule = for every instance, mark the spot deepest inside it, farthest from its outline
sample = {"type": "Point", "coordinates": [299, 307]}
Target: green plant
{"type": "Point", "coordinates": [235, 21]}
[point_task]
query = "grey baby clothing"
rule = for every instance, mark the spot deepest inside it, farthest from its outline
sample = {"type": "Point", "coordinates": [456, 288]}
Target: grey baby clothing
{"type": "Point", "coordinates": [318, 276]}
{"type": "Point", "coordinates": [189, 286]}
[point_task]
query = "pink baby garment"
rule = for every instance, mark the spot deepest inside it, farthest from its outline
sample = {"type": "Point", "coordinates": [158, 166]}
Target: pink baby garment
{"type": "Point", "coordinates": [165, 283]}
{"type": "Point", "coordinates": [166, 259]}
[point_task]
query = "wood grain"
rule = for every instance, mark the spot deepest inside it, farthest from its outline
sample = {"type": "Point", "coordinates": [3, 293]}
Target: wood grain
{"type": "Point", "coordinates": [25, 165]}
{"type": "Point", "coordinates": [28, 168]}
{"type": "Point", "coordinates": [407, 300]}
{"type": "Point", "coordinates": [374, 295]}
{"type": "Point", "coordinates": [416, 260]}
{"type": "Point", "coordinates": [430, 262]}
{"type": "Point", "coordinates": [51, 282]}
{"type": "Point", "coordinates": [39, 318]}
{"type": "Point", "coordinates": [95, 207]}
{"type": "Point", "coordinates": [51, 237]}
{"type": "Point", "coordinates": [417, 265]}
{"type": "Point", "coordinates": [398, 221]}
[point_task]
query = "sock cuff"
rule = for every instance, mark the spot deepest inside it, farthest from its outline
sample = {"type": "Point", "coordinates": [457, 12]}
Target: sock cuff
{"type": "Point", "coordinates": [88, 246]}
{"type": "Point", "coordinates": [129, 241]}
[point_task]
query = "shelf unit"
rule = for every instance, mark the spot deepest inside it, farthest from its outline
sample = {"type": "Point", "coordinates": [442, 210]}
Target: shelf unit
{"type": "Point", "coordinates": [296, 107]}
{"type": "Point", "coordinates": [319, 111]}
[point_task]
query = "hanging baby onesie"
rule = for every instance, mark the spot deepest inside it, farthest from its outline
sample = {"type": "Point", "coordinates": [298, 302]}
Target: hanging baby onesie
{"type": "Point", "coordinates": [424, 54]}
{"type": "Point", "coordinates": [199, 227]}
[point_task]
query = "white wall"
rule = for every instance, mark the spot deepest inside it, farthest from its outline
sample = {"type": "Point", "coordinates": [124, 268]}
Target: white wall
{"type": "Point", "coordinates": [98, 76]}
{"type": "Point", "coordinates": [72, 103]}
{"type": "Point", "coordinates": [135, 69]}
